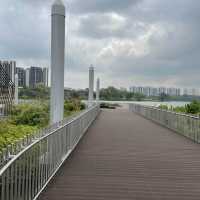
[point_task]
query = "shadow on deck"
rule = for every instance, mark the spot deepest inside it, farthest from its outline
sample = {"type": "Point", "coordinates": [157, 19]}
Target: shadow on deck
{"type": "Point", "coordinates": [124, 157]}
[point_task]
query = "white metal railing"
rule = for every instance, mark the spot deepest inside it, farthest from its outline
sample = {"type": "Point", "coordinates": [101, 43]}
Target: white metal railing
{"type": "Point", "coordinates": [186, 125]}
{"type": "Point", "coordinates": [17, 146]}
{"type": "Point", "coordinates": [28, 172]}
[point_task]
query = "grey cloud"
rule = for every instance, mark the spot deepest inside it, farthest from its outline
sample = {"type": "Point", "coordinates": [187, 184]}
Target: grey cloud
{"type": "Point", "coordinates": [24, 33]}
{"type": "Point", "coordinates": [37, 3]}
{"type": "Point", "coordinates": [173, 55]}
{"type": "Point", "coordinates": [102, 26]}
{"type": "Point", "coordinates": [101, 6]}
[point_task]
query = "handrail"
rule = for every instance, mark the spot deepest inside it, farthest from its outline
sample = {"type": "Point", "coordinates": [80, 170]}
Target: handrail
{"type": "Point", "coordinates": [186, 125]}
{"type": "Point", "coordinates": [7, 154]}
{"type": "Point", "coordinates": [27, 173]}
{"type": "Point", "coordinates": [169, 111]}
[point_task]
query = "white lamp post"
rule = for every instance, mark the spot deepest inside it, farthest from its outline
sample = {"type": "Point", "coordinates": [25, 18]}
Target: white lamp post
{"type": "Point", "coordinates": [97, 89]}
{"type": "Point", "coordinates": [57, 61]}
{"type": "Point", "coordinates": [91, 86]}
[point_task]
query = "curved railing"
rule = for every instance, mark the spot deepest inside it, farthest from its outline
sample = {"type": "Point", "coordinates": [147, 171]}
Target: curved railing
{"type": "Point", "coordinates": [28, 172]}
{"type": "Point", "coordinates": [186, 125]}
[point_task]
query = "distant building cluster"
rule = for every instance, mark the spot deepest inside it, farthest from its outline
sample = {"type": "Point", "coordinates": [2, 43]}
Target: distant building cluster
{"type": "Point", "coordinates": [153, 91]}
{"type": "Point", "coordinates": [191, 92]}
{"type": "Point", "coordinates": [35, 76]}
{"type": "Point", "coordinates": [29, 77]}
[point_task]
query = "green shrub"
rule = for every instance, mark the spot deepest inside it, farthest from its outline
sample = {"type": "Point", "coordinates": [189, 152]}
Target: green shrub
{"type": "Point", "coordinates": [180, 109]}
{"type": "Point", "coordinates": [74, 105]}
{"type": "Point", "coordinates": [39, 92]}
{"type": "Point", "coordinates": [32, 115]}
{"type": "Point", "coordinates": [163, 107]}
{"type": "Point", "coordinates": [193, 108]}
{"type": "Point", "coordinates": [10, 133]}
{"type": "Point", "coordinates": [27, 118]}
{"type": "Point", "coordinates": [82, 106]}
{"type": "Point", "coordinates": [69, 106]}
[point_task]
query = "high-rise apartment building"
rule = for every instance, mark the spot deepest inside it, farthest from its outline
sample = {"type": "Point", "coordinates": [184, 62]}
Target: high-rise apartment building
{"type": "Point", "coordinates": [6, 92]}
{"type": "Point", "coordinates": [27, 78]}
{"type": "Point", "coordinates": [152, 91]}
{"type": "Point", "coordinates": [46, 77]}
{"type": "Point", "coordinates": [35, 76]}
{"type": "Point", "coordinates": [9, 68]}
{"type": "Point", "coordinates": [185, 91]}
{"type": "Point", "coordinates": [191, 92]}
{"type": "Point", "coordinates": [21, 76]}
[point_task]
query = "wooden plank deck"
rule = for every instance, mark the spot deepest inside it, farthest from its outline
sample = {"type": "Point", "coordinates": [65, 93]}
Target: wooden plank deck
{"type": "Point", "coordinates": [125, 157]}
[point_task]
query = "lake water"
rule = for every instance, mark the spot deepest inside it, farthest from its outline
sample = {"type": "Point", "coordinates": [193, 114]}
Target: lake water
{"type": "Point", "coordinates": [150, 103]}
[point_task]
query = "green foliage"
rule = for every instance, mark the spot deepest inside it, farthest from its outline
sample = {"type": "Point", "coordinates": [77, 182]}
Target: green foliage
{"type": "Point", "coordinates": [163, 107]}
{"type": "Point", "coordinates": [69, 106]}
{"type": "Point", "coordinates": [180, 109]}
{"type": "Point", "coordinates": [114, 94]}
{"type": "Point", "coordinates": [193, 108]}
{"type": "Point", "coordinates": [76, 94]}
{"type": "Point", "coordinates": [72, 106]}
{"type": "Point", "coordinates": [139, 97]}
{"type": "Point", "coordinates": [111, 93]}
{"type": "Point", "coordinates": [10, 133]}
{"type": "Point", "coordinates": [31, 114]}
{"type": "Point", "coordinates": [82, 106]}
{"type": "Point", "coordinates": [39, 92]}
{"type": "Point", "coordinates": [27, 118]}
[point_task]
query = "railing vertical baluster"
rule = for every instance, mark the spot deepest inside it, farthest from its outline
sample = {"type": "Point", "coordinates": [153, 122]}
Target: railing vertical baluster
{"type": "Point", "coordinates": [37, 168]}
{"type": "Point", "coordinates": [33, 186]}
{"type": "Point", "coordinates": [38, 157]}
{"type": "Point", "coordinates": [41, 164]}
{"type": "Point", "coordinates": [186, 125]}
{"type": "Point", "coordinates": [11, 181]}
{"type": "Point", "coordinates": [29, 175]}
{"type": "Point", "coordinates": [53, 152]}
{"type": "Point", "coordinates": [3, 183]}
{"type": "Point", "coordinates": [23, 174]}
{"type": "Point", "coordinates": [45, 159]}
{"type": "Point", "coordinates": [16, 179]}
{"type": "Point", "coordinates": [50, 154]}
{"type": "Point", "coordinates": [7, 184]}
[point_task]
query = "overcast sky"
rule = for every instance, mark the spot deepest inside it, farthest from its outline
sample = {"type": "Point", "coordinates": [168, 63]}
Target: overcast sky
{"type": "Point", "coordinates": [130, 42]}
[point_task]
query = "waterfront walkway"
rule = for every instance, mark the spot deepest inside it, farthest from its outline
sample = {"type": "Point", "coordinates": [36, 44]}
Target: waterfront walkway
{"type": "Point", "coordinates": [125, 157]}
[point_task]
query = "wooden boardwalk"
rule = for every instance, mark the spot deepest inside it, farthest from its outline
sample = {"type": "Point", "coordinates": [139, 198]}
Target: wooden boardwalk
{"type": "Point", "coordinates": [126, 157]}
